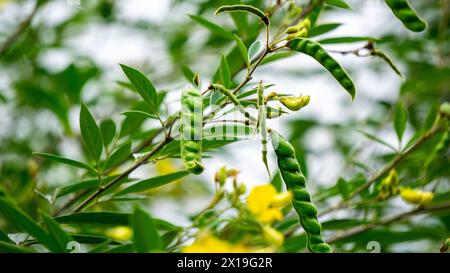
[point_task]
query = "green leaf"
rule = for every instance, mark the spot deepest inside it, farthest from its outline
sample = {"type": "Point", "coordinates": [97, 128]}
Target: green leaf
{"type": "Point", "coordinates": [121, 154]}
{"type": "Point", "coordinates": [145, 235]}
{"type": "Point", "coordinates": [400, 120]}
{"type": "Point", "coordinates": [244, 8]}
{"type": "Point", "coordinates": [92, 239]}
{"type": "Point", "coordinates": [377, 139]}
{"type": "Point", "coordinates": [125, 248]}
{"type": "Point", "coordinates": [342, 224]}
{"type": "Point", "coordinates": [22, 221]}
{"type": "Point", "coordinates": [224, 70]}
{"type": "Point", "coordinates": [216, 29]}
{"type": "Point", "coordinates": [107, 218]}
{"type": "Point", "coordinates": [254, 49]}
{"type": "Point", "coordinates": [66, 161]}
{"type": "Point", "coordinates": [388, 60]}
{"type": "Point", "coordinates": [215, 98]}
{"type": "Point", "coordinates": [343, 187]}
{"type": "Point", "coordinates": [132, 113]}
{"type": "Point", "coordinates": [147, 184]}
{"type": "Point", "coordinates": [58, 235]}
{"type": "Point", "coordinates": [12, 248]}
{"type": "Point", "coordinates": [144, 87]}
{"type": "Point", "coordinates": [187, 73]}
{"type": "Point", "coordinates": [276, 56]}
{"type": "Point", "coordinates": [83, 185]}
{"type": "Point", "coordinates": [4, 237]}
{"type": "Point", "coordinates": [92, 136]}
{"type": "Point", "coordinates": [322, 29]}
{"type": "Point", "coordinates": [108, 129]}
{"type": "Point", "coordinates": [347, 39]}
{"type": "Point", "coordinates": [243, 50]}
{"type": "Point", "coordinates": [338, 3]}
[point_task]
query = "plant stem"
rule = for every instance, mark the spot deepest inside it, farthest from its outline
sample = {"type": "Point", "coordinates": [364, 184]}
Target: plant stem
{"type": "Point", "coordinates": [361, 229]}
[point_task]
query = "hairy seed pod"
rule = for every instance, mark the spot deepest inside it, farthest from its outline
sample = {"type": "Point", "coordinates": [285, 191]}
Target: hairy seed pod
{"type": "Point", "coordinates": [191, 130]}
{"type": "Point", "coordinates": [314, 50]}
{"type": "Point", "coordinates": [296, 183]}
{"type": "Point", "coordinates": [295, 103]}
{"type": "Point", "coordinates": [406, 14]}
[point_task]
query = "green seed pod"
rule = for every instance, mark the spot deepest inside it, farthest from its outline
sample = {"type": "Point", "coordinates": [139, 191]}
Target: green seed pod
{"type": "Point", "coordinates": [296, 182]}
{"type": "Point", "coordinates": [406, 14]}
{"type": "Point", "coordinates": [314, 50]}
{"type": "Point", "coordinates": [191, 130]}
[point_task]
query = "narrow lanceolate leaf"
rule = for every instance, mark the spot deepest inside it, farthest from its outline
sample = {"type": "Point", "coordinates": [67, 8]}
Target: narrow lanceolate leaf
{"type": "Point", "coordinates": [92, 136]}
{"type": "Point", "coordinates": [244, 8]}
{"type": "Point", "coordinates": [400, 119]}
{"type": "Point", "coordinates": [6, 247]}
{"type": "Point", "coordinates": [135, 113]}
{"type": "Point", "coordinates": [106, 218]}
{"type": "Point", "coordinates": [388, 60]}
{"type": "Point", "coordinates": [338, 3]}
{"type": "Point", "coordinates": [108, 129]}
{"type": "Point", "coordinates": [347, 39]}
{"type": "Point", "coordinates": [121, 154]}
{"type": "Point", "coordinates": [243, 50]}
{"type": "Point", "coordinates": [145, 235]}
{"type": "Point", "coordinates": [254, 49]}
{"type": "Point", "coordinates": [224, 70]}
{"type": "Point", "coordinates": [314, 50]}
{"type": "Point", "coordinates": [153, 182]}
{"type": "Point", "coordinates": [322, 29]}
{"type": "Point", "coordinates": [66, 161]}
{"type": "Point", "coordinates": [377, 139]}
{"type": "Point", "coordinates": [59, 237]}
{"type": "Point", "coordinates": [22, 221]}
{"type": "Point", "coordinates": [144, 87]}
{"type": "Point", "coordinates": [187, 72]}
{"type": "Point", "coordinates": [4, 237]}
{"type": "Point", "coordinates": [216, 29]}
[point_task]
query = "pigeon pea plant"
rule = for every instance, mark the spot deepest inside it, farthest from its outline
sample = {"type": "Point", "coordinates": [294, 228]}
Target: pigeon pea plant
{"type": "Point", "coordinates": [233, 221]}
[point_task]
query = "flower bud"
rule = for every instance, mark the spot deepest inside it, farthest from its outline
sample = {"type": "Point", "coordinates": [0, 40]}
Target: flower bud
{"type": "Point", "coordinates": [445, 108]}
{"type": "Point", "coordinates": [416, 196]}
{"type": "Point", "coordinates": [221, 175]}
{"type": "Point", "coordinates": [295, 103]}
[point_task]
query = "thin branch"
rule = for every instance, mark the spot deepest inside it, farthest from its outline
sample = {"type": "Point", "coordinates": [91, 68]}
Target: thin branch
{"type": "Point", "coordinates": [124, 174]}
{"type": "Point", "coordinates": [387, 221]}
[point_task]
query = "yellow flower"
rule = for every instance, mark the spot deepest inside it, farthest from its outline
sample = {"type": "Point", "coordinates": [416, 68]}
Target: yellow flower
{"type": "Point", "coordinates": [165, 166]}
{"type": "Point", "coordinates": [418, 197]}
{"type": "Point", "coordinates": [295, 103]}
{"type": "Point", "coordinates": [207, 243]}
{"type": "Point", "coordinates": [265, 203]}
{"type": "Point", "coordinates": [120, 233]}
{"type": "Point", "coordinates": [273, 236]}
